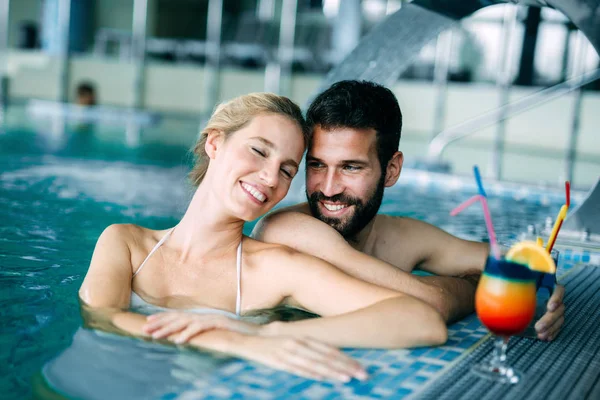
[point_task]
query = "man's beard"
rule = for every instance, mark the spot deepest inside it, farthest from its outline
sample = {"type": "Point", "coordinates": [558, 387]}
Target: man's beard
{"type": "Point", "coordinates": [364, 212]}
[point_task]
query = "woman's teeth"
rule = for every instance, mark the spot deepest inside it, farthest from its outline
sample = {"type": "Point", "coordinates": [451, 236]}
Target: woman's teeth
{"type": "Point", "coordinates": [257, 195]}
{"type": "Point", "coordinates": [335, 207]}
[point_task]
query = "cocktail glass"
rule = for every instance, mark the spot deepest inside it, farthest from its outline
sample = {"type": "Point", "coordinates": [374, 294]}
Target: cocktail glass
{"type": "Point", "coordinates": [505, 302]}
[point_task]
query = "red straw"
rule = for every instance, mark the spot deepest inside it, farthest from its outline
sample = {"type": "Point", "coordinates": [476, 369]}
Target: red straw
{"type": "Point", "coordinates": [568, 191]}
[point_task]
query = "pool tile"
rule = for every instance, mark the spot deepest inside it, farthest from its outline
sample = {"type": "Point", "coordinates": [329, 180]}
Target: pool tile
{"type": "Point", "coordinates": [450, 355]}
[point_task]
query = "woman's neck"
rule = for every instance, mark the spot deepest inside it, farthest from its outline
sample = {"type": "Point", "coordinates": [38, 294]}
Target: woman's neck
{"type": "Point", "coordinates": [205, 231]}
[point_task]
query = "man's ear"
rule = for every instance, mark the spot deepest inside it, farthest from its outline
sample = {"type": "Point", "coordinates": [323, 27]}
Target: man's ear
{"type": "Point", "coordinates": [394, 167]}
{"type": "Point", "coordinates": [214, 141]}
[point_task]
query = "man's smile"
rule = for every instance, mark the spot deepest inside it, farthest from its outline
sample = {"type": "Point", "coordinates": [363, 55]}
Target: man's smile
{"type": "Point", "coordinates": [334, 209]}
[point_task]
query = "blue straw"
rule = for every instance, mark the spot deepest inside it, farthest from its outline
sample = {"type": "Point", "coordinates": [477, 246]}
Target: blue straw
{"type": "Point", "coordinates": [478, 181]}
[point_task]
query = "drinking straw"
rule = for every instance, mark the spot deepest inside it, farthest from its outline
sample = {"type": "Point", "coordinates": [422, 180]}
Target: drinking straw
{"type": "Point", "coordinates": [465, 204]}
{"type": "Point", "coordinates": [562, 214]}
{"type": "Point", "coordinates": [482, 197]}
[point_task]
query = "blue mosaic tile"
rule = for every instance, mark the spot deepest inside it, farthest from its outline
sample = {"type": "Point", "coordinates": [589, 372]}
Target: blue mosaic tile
{"type": "Point", "coordinates": [404, 375]}
{"type": "Point", "coordinates": [372, 369]}
{"type": "Point", "coordinates": [433, 368]}
{"type": "Point", "coordinates": [418, 365]}
{"type": "Point", "coordinates": [450, 355]}
{"type": "Point", "coordinates": [402, 393]}
{"type": "Point", "coordinates": [473, 325]}
{"type": "Point", "coordinates": [300, 387]}
{"type": "Point", "coordinates": [419, 352]}
{"type": "Point", "coordinates": [435, 353]}
{"type": "Point", "coordinates": [586, 256]}
{"type": "Point", "coordinates": [419, 380]}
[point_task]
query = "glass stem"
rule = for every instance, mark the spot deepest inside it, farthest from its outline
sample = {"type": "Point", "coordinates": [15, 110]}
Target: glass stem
{"type": "Point", "coordinates": [499, 356]}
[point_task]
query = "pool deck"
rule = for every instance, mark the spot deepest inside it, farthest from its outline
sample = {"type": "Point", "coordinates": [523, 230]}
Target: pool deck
{"type": "Point", "coordinates": [425, 373]}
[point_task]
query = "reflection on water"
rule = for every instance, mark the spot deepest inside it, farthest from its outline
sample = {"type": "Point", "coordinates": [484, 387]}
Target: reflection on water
{"type": "Point", "coordinates": [101, 366]}
{"type": "Point", "coordinates": [55, 202]}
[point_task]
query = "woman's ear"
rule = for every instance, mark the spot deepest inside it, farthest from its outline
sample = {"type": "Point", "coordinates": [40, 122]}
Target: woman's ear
{"type": "Point", "coordinates": [393, 169]}
{"type": "Point", "coordinates": [214, 140]}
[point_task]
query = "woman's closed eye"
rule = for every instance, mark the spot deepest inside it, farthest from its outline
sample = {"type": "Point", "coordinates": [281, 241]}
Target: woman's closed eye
{"type": "Point", "coordinates": [287, 174]}
{"type": "Point", "coordinates": [259, 152]}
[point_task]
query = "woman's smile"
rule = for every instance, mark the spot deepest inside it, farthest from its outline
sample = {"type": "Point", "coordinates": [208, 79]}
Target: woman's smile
{"type": "Point", "coordinates": [254, 193]}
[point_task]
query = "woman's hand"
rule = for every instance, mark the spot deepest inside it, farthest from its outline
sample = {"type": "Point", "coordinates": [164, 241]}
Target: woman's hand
{"type": "Point", "coordinates": [306, 357]}
{"type": "Point", "coordinates": [180, 327]}
{"type": "Point", "coordinates": [301, 356]}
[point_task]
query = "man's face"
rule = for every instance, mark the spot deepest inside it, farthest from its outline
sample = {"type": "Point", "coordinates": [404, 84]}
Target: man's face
{"type": "Point", "coordinates": [344, 180]}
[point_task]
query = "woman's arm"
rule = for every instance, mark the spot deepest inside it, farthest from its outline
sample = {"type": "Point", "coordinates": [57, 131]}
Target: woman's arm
{"type": "Point", "coordinates": [357, 313]}
{"type": "Point", "coordinates": [104, 297]}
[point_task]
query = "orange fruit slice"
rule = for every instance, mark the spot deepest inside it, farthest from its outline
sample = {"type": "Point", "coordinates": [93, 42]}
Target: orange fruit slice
{"type": "Point", "coordinates": [532, 255]}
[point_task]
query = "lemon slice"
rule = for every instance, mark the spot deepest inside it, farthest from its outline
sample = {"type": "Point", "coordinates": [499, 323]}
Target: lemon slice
{"type": "Point", "coordinates": [532, 255]}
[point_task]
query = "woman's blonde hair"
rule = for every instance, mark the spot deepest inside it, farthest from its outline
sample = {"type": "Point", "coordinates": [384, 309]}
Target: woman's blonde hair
{"type": "Point", "coordinates": [231, 116]}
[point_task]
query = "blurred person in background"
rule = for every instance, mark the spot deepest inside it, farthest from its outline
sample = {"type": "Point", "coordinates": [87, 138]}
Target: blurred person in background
{"type": "Point", "coordinates": [85, 94]}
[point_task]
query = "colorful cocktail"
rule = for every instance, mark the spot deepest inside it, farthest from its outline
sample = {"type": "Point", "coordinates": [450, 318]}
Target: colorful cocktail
{"type": "Point", "coordinates": [505, 298]}
{"type": "Point", "coordinates": [505, 303]}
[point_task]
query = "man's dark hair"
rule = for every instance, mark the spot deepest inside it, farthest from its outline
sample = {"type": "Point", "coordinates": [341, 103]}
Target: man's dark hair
{"type": "Point", "coordinates": [360, 105]}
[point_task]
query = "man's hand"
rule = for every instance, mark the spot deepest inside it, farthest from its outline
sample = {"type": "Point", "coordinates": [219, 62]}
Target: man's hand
{"type": "Point", "coordinates": [549, 325]}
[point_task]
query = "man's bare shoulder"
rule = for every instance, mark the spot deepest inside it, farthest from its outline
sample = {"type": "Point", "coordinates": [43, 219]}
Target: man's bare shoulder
{"type": "Point", "coordinates": [301, 208]}
{"type": "Point", "coordinates": [398, 225]}
{"type": "Point", "coordinates": [287, 219]}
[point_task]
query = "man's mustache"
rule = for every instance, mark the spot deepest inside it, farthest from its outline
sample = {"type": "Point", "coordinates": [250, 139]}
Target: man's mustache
{"type": "Point", "coordinates": [340, 197]}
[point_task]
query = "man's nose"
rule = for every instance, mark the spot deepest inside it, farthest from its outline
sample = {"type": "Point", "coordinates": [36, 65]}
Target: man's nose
{"type": "Point", "coordinates": [331, 185]}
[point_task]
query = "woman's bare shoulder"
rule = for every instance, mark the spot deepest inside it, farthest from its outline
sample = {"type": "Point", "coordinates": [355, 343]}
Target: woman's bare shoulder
{"type": "Point", "coordinates": [136, 238]}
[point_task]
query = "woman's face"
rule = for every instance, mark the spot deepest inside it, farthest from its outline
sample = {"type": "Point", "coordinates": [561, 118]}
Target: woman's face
{"type": "Point", "coordinates": [257, 163]}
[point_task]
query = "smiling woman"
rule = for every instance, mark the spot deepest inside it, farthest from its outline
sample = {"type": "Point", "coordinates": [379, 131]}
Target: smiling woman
{"type": "Point", "coordinates": [189, 277]}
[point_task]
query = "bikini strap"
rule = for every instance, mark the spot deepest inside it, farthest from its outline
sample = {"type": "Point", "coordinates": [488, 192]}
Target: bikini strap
{"type": "Point", "coordinates": [160, 243]}
{"type": "Point", "coordinates": [238, 302]}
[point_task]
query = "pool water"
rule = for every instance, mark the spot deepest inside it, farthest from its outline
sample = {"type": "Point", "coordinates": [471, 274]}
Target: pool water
{"type": "Point", "coordinates": [59, 191]}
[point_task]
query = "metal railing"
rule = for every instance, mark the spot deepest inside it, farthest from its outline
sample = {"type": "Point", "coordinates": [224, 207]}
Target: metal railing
{"type": "Point", "coordinates": [467, 128]}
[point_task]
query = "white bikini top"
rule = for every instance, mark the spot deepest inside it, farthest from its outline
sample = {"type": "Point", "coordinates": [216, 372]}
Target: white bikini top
{"type": "Point", "coordinates": [139, 304]}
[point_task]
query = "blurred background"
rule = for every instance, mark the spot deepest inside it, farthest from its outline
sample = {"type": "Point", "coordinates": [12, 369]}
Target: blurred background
{"type": "Point", "coordinates": [101, 100]}
{"type": "Point", "coordinates": [171, 61]}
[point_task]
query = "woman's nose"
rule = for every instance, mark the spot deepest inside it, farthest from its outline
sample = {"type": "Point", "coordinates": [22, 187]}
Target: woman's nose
{"type": "Point", "coordinates": [269, 175]}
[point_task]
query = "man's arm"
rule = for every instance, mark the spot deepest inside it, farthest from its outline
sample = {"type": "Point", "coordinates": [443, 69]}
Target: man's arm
{"type": "Point", "coordinates": [411, 243]}
{"type": "Point", "coordinates": [439, 252]}
{"type": "Point", "coordinates": [452, 297]}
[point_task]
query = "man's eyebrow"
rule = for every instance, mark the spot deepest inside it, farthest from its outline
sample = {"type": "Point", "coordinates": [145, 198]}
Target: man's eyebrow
{"type": "Point", "coordinates": [361, 163]}
{"type": "Point", "coordinates": [356, 162]}
{"type": "Point", "coordinates": [271, 145]}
